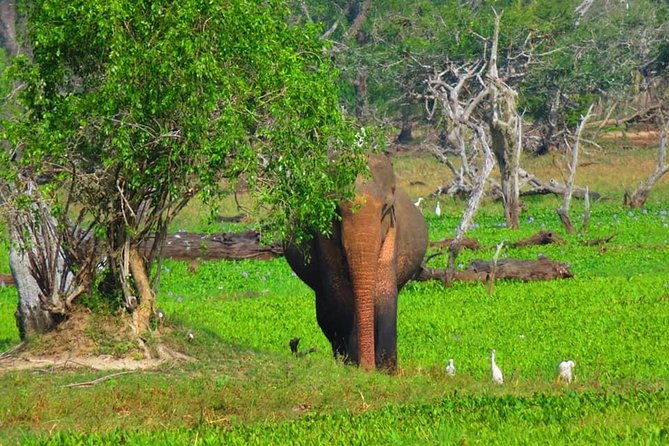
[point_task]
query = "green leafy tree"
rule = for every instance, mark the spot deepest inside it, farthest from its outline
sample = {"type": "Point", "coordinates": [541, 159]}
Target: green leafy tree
{"type": "Point", "coordinates": [607, 50]}
{"type": "Point", "coordinates": [133, 107]}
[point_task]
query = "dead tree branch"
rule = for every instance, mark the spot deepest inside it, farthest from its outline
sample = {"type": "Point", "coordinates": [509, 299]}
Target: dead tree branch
{"type": "Point", "coordinates": [474, 199]}
{"type": "Point", "coordinates": [563, 212]}
{"type": "Point", "coordinates": [638, 198]}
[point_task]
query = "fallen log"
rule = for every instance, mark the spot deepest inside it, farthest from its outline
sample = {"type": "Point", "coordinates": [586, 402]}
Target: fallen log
{"type": "Point", "coordinates": [231, 245]}
{"type": "Point", "coordinates": [540, 238]}
{"type": "Point", "coordinates": [598, 241]}
{"type": "Point", "coordinates": [465, 243]}
{"type": "Point", "coordinates": [479, 270]}
{"type": "Point", "coordinates": [539, 187]}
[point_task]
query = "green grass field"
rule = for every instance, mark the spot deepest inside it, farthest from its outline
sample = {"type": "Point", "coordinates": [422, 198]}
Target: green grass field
{"type": "Point", "coordinates": [246, 387]}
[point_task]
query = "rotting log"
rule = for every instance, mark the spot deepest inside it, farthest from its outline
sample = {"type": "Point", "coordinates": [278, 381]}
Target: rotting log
{"type": "Point", "coordinates": [193, 246]}
{"type": "Point", "coordinates": [539, 187]}
{"type": "Point", "coordinates": [232, 245]}
{"type": "Point", "coordinates": [526, 270]}
{"type": "Point", "coordinates": [540, 238]}
{"type": "Point", "coordinates": [465, 243]}
{"type": "Point", "coordinates": [598, 241]}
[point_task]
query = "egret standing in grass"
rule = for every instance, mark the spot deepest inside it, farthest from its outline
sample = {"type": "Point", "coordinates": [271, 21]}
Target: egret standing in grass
{"type": "Point", "coordinates": [566, 372]}
{"type": "Point", "coordinates": [437, 210]}
{"type": "Point", "coordinates": [495, 371]}
{"type": "Point", "coordinates": [450, 368]}
{"type": "Point", "coordinates": [418, 202]}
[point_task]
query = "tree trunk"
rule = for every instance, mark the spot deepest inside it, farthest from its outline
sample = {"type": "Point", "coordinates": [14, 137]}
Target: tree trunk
{"type": "Point", "coordinates": [31, 317]}
{"type": "Point", "coordinates": [405, 135]}
{"type": "Point", "coordinates": [361, 9]}
{"type": "Point", "coordinates": [505, 130]}
{"type": "Point", "coordinates": [8, 26]}
{"type": "Point", "coordinates": [638, 198]}
{"type": "Point", "coordinates": [361, 99]}
{"type": "Point", "coordinates": [39, 267]}
{"type": "Point", "coordinates": [507, 152]}
{"type": "Point", "coordinates": [141, 314]}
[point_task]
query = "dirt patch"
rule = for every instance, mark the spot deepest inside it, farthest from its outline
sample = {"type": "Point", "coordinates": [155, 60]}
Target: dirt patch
{"type": "Point", "coordinates": [87, 340]}
{"type": "Point", "coordinates": [66, 361]}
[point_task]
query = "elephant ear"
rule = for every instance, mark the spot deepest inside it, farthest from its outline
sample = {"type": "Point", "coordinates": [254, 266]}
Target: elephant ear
{"type": "Point", "coordinates": [384, 179]}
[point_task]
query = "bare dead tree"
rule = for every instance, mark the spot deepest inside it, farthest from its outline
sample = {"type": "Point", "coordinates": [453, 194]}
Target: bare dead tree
{"type": "Point", "coordinates": [474, 200]}
{"type": "Point", "coordinates": [478, 93]}
{"type": "Point", "coordinates": [444, 89]}
{"type": "Point", "coordinates": [506, 133]}
{"type": "Point", "coordinates": [638, 198]}
{"type": "Point", "coordinates": [586, 210]}
{"type": "Point", "coordinates": [563, 212]}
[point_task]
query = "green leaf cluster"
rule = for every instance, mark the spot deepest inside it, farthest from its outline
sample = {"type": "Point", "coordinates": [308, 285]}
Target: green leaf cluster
{"type": "Point", "coordinates": [137, 105]}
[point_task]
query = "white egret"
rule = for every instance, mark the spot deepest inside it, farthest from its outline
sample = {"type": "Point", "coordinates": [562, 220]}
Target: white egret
{"type": "Point", "coordinates": [450, 368]}
{"type": "Point", "coordinates": [437, 210]}
{"type": "Point", "coordinates": [566, 371]}
{"type": "Point", "coordinates": [495, 372]}
{"type": "Point", "coordinates": [418, 202]}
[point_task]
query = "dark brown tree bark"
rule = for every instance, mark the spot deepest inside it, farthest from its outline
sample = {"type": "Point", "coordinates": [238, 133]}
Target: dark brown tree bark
{"type": "Point", "coordinates": [538, 239]}
{"type": "Point", "coordinates": [362, 9]}
{"type": "Point", "coordinates": [8, 27]}
{"type": "Point", "coordinates": [361, 98]}
{"type": "Point", "coordinates": [405, 135]}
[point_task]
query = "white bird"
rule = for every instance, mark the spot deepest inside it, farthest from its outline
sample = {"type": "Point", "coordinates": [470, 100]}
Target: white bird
{"type": "Point", "coordinates": [418, 202]}
{"type": "Point", "coordinates": [190, 336]}
{"type": "Point", "coordinates": [495, 372]}
{"type": "Point", "coordinates": [437, 210]}
{"type": "Point", "coordinates": [450, 368]}
{"type": "Point", "coordinates": [566, 371]}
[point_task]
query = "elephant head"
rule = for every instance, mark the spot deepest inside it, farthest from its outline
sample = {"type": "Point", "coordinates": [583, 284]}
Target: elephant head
{"type": "Point", "coordinates": [376, 247]}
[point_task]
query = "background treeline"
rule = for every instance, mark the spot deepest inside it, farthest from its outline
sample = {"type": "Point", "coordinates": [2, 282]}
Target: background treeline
{"type": "Point", "coordinates": [560, 55]}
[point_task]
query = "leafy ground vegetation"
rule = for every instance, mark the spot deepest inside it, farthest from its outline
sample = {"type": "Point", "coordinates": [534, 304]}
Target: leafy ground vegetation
{"type": "Point", "coordinates": [244, 386]}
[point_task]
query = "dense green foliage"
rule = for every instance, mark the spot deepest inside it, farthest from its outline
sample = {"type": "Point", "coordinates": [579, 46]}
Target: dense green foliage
{"type": "Point", "coordinates": [246, 387]}
{"type": "Point", "coordinates": [570, 53]}
{"type": "Point", "coordinates": [137, 104]}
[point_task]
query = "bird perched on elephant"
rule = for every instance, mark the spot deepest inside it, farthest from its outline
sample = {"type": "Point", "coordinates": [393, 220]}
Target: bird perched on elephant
{"type": "Point", "coordinates": [376, 247]}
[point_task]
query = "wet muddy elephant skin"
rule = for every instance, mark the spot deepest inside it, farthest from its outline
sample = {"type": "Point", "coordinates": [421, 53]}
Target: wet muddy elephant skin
{"type": "Point", "coordinates": [357, 273]}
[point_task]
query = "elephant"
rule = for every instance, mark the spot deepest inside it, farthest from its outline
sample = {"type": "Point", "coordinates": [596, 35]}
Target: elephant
{"type": "Point", "coordinates": [376, 246]}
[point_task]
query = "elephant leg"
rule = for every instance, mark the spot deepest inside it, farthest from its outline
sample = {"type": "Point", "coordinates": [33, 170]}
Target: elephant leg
{"type": "Point", "coordinates": [336, 323]}
{"type": "Point", "coordinates": [385, 306]}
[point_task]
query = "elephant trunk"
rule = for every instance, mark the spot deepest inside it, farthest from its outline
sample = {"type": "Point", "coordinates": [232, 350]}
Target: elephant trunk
{"type": "Point", "coordinates": [361, 236]}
